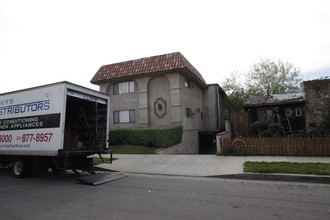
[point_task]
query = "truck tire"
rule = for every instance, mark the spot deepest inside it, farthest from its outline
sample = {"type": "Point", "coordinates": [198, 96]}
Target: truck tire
{"type": "Point", "coordinates": [20, 168]}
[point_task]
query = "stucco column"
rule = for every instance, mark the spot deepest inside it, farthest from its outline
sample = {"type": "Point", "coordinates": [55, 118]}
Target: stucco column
{"type": "Point", "coordinates": [175, 98]}
{"type": "Point", "coordinates": [104, 88]}
{"type": "Point", "coordinates": [143, 100]}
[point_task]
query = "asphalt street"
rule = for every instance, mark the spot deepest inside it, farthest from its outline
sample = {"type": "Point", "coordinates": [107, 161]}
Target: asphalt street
{"type": "Point", "coordinates": [141, 196]}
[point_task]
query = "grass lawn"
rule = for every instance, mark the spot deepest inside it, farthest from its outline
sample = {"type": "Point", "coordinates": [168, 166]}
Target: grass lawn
{"type": "Point", "coordinates": [287, 167]}
{"type": "Point", "coordinates": [131, 149]}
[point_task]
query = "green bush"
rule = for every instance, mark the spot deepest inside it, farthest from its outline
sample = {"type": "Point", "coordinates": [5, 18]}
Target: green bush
{"type": "Point", "coordinates": [273, 128]}
{"type": "Point", "coordinates": [266, 133]}
{"type": "Point", "coordinates": [258, 126]}
{"type": "Point", "coordinates": [157, 137]}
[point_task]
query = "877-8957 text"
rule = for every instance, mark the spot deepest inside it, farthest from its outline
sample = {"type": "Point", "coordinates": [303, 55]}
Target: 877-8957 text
{"type": "Point", "coordinates": [39, 137]}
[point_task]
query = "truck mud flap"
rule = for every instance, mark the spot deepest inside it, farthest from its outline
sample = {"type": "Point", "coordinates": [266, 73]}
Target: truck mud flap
{"type": "Point", "coordinates": [101, 178]}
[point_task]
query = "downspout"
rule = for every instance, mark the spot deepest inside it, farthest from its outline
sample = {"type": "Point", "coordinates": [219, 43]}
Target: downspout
{"type": "Point", "coordinates": [218, 109]}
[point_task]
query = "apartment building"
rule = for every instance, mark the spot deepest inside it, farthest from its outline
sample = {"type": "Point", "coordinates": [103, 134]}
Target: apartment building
{"type": "Point", "coordinates": [164, 90]}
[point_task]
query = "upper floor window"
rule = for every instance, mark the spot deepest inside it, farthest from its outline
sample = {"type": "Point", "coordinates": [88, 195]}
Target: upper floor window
{"type": "Point", "coordinates": [187, 84]}
{"type": "Point", "coordinates": [123, 87]}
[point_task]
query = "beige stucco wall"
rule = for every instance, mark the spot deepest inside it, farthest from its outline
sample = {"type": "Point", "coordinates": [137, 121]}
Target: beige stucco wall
{"type": "Point", "coordinates": [211, 119]}
{"type": "Point", "coordinates": [191, 98]}
{"type": "Point", "coordinates": [175, 102]}
{"type": "Point", "coordinates": [224, 134]}
{"type": "Point", "coordinates": [142, 108]}
{"type": "Point", "coordinates": [129, 101]}
{"type": "Point", "coordinates": [188, 145]}
{"type": "Point", "coordinates": [158, 90]}
{"type": "Point", "coordinates": [214, 106]}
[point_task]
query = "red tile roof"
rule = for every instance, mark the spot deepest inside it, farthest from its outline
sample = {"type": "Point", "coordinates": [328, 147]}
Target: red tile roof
{"type": "Point", "coordinates": [148, 65]}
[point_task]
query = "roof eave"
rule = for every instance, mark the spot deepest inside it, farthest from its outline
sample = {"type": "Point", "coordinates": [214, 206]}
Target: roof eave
{"type": "Point", "coordinates": [98, 82]}
{"type": "Point", "coordinates": [274, 103]}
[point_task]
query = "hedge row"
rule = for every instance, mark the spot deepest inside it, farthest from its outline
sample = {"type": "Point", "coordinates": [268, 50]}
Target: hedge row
{"type": "Point", "coordinates": [157, 137]}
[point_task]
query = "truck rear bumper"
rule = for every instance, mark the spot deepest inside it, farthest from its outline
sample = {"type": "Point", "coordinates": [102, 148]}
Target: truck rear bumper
{"type": "Point", "coordinates": [81, 152]}
{"type": "Point", "coordinates": [79, 159]}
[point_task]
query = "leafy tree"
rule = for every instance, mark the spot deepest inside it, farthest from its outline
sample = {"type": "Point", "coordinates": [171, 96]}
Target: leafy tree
{"type": "Point", "coordinates": [270, 77]}
{"type": "Point", "coordinates": [264, 78]}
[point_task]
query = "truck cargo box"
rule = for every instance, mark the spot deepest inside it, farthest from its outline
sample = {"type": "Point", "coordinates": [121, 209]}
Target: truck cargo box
{"type": "Point", "coordinates": [62, 122]}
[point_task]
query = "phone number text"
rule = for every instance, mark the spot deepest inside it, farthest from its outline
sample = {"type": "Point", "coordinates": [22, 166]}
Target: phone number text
{"type": "Point", "coordinates": [39, 137]}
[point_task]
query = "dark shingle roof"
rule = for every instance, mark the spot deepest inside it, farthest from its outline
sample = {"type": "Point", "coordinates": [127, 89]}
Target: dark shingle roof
{"type": "Point", "coordinates": [273, 99]}
{"type": "Point", "coordinates": [148, 65]}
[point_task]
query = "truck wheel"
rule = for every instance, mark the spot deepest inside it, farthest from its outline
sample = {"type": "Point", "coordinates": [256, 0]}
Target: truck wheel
{"type": "Point", "coordinates": [20, 168]}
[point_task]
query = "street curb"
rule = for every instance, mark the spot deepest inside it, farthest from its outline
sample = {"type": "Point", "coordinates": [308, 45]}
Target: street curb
{"type": "Point", "coordinates": [277, 177]}
{"type": "Point", "coordinates": [249, 176]}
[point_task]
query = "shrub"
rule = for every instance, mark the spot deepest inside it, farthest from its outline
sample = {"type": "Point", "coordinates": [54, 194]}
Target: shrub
{"type": "Point", "coordinates": [273, 128]}
{"type": "Point", "coordinates": [157, 137]}
{"type": "Point", "coordinates": [258, 126]}
{"type": "Point", "coordinates": [266, 133]}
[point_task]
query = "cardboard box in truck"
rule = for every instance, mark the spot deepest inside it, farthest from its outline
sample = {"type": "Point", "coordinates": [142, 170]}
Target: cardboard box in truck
{"type": "Point", "coordinates": [54, 126]}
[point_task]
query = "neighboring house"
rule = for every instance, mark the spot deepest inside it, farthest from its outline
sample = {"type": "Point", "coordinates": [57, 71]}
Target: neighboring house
{"type": "Point", "coordinates": [309, 109]}
{"type": "Point", "coordinates": [164, 90]}
{"type": "Point", "coordinates": [287, 109]}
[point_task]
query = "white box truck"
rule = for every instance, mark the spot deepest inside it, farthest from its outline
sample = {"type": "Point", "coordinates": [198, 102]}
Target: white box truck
{"type": "Point", "coordinates": [57, 126]}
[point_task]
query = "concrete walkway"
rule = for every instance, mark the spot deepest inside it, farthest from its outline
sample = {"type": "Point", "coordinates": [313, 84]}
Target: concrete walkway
{"type": "Point", "coordinates": [194, 165]}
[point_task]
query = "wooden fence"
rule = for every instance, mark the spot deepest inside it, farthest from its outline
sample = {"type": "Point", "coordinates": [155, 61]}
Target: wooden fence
{"type": "Point", "coordinates": [240, 125]}
{"type": "Point", "coordinates": [316, 146]}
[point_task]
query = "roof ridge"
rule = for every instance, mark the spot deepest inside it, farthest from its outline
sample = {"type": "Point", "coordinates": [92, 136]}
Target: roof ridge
{"type": "Point", "coordinates": [145, 65]}
{"type": "Point", "coordinates": [138, 59]}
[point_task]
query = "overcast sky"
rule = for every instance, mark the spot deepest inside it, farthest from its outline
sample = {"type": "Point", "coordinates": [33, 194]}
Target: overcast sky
{"type": "Point", "coordinates": [44, 41]}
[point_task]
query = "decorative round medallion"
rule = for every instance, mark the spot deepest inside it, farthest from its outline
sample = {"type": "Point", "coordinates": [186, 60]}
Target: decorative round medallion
{"type": "Point", "coordinates": [160, 107]}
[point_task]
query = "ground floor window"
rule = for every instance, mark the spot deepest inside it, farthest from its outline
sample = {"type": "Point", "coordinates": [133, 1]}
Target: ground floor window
{"type": "Point", "coordinates": [298, 111]}
{"type": "Point", "coordinates": [292, 112]}
{"type": "Point", "coordinates": [188, 112]}
{"type": "Point", "coordinates": [127, 116]}
{"type": "Point", "coordinates": [265, 115]}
